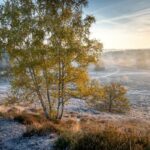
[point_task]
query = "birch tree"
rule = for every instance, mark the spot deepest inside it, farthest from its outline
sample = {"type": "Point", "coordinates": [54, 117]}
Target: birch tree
{"type": "Point", "coordinates": [49, 47]}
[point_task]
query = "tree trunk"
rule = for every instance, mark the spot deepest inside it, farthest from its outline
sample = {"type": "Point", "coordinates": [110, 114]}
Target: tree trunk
{"type": "Point", "coordinates": [47, 92]}
{"type": "Point", "coordinates": [59, 86]}
{"type": "Point", "coordinates": [110, 104]}
{"type": "Point", "coordinates": [43, 106]}
{"type": "Point", "coordinates": [32, 73]}
{"type": "Point", "coordinates": [62, 92]}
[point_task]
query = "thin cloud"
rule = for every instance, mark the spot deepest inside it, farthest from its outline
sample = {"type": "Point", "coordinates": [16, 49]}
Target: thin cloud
{"type": "Point", "coordinates": [127, 16]}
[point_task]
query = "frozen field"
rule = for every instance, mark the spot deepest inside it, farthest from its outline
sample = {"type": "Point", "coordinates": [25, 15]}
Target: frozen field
{"type": "Point", "coordinates": [4, 89]}
{"type": "Point", "coordinates": [136, 81]}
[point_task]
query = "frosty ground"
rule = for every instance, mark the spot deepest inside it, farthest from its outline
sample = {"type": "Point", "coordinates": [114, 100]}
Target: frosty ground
{"type": "Point", "coordinates": [136, 81]}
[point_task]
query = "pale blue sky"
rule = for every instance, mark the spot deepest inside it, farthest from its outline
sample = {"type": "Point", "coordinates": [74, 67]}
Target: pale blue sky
{"type": "Point", "coordinates": [121, 23]}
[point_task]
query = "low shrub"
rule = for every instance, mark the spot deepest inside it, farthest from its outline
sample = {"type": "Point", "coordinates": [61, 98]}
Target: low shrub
{"type": "Point", "coordinates": [111, 97]}
{"type": "Point", "coordinates": [27, 119]}
{"type": "Point", "coordinates": [1, 114]}
{"type": "Point", "coordinates": [8, 115]}
{"type": "Point", "coordinates": [115, 99]}
{"type": "Point", "coordinates": [67, 140]}
{"type": "Point", "coordinates": [102, 140]}
{"type": "Point", "coordinates": [40, 129]}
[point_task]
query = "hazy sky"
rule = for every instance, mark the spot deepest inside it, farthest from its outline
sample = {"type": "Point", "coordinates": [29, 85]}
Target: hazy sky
{"type": "Point", "coordinates": [121, 23]}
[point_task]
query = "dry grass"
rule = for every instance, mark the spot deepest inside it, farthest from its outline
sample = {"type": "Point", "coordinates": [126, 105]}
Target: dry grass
{"type": "Point", "coordinates": [41, 129]}
{"type": "Point", "coordinates": [89, 133]}
{"type": "Point", "coordinates": [98, 137]}
{"type": "Point", "coordinates": [93, 134]}
{"type": "Point", "coordinates": [86, 124]}
{"type": "Point", "coordinates": [37, 124]}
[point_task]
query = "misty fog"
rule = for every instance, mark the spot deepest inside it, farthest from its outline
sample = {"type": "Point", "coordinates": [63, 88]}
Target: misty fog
{"type": "Point", "coordinates": [131, 68]}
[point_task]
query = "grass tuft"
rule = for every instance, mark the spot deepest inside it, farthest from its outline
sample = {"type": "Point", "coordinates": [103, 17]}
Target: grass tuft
{"type": "Point", "coordinates": [40, 130]}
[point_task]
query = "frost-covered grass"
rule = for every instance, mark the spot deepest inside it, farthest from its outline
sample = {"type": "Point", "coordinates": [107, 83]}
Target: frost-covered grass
{"type": "Point", "coordinates": [78, 132]}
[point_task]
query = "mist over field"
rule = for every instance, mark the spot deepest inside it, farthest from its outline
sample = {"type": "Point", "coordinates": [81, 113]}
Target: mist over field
{"type": "Point", "coordinates": [130, 68]}
{"type": "Point", "coordinates": [135, 59]}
